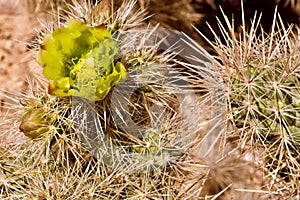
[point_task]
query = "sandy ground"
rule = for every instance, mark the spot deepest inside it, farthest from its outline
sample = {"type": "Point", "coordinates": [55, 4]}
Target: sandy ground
{"type": "Point", "coordinates": [16, 30]}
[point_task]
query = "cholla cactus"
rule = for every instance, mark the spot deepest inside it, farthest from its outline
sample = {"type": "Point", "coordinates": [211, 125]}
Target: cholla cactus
{"type": "Point", "coordinates": [261, 73]}
{"type": "Point", "coordinates": [121, 114]}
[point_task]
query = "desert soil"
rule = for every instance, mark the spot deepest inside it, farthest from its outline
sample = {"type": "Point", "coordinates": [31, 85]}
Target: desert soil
{"type": "Point", "coordinates": [17, 28]}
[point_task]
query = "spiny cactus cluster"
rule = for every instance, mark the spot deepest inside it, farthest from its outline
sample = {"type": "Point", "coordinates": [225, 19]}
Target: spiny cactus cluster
{"type": "Point", "coordinates": [116, 115]}
{"type": "Point", "coordinates": [261, 73]}
{"type": "Point", "coordinates": [127, 112]}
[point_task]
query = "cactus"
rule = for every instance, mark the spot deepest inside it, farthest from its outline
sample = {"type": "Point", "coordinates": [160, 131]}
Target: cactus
{"type": "Point", "coordinates": [120, 116]}
{"type": "Point", "coordinates": [261, 73]}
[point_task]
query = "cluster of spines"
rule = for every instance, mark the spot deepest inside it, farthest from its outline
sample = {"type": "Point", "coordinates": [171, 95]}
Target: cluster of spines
{"type": "Point", "coordinates": [261, 73]}
{"type": "Point", "coordinates": [54, 161]}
